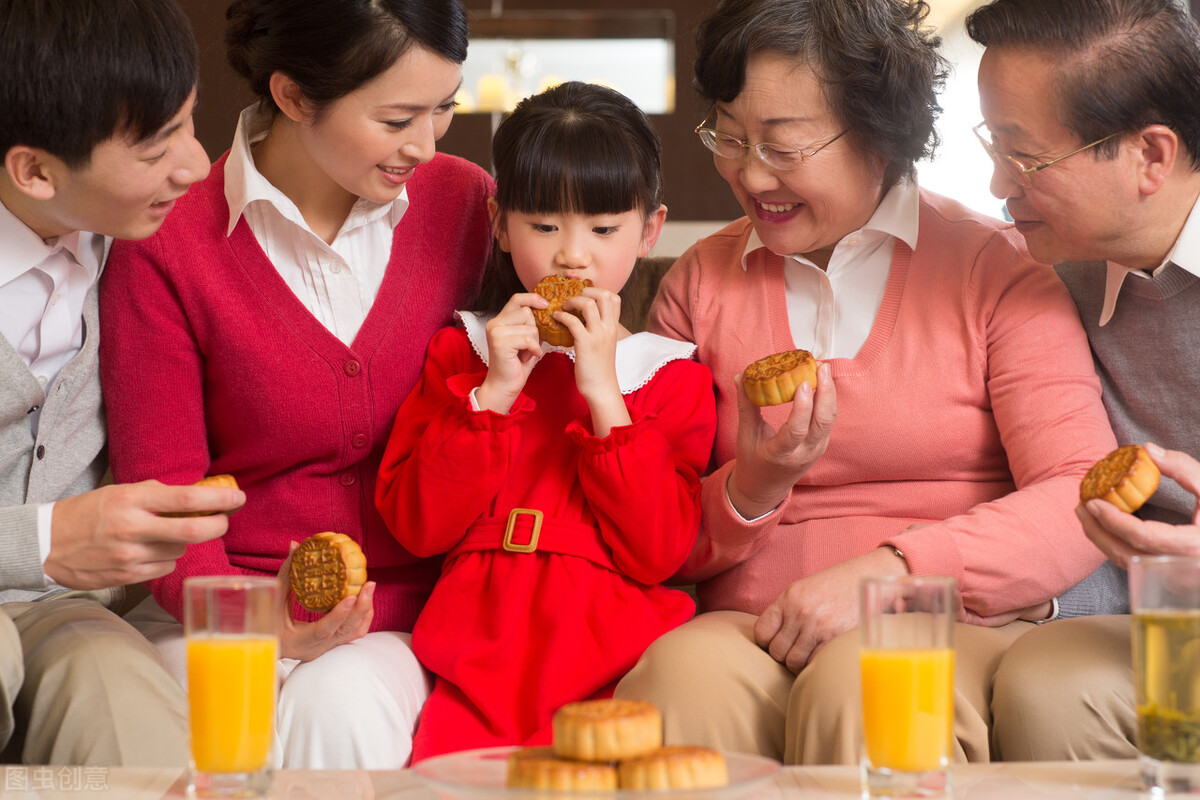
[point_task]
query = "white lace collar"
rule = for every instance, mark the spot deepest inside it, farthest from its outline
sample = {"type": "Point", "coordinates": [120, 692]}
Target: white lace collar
{"type": "Point", "coordinates": [639, 356]}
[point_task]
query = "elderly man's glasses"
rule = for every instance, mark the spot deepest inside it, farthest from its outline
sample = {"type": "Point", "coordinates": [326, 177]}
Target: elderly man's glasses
{"type": "Point", "coordinates": [1019, 168]}
{"type": "Point", "coordinates": [775, 156]}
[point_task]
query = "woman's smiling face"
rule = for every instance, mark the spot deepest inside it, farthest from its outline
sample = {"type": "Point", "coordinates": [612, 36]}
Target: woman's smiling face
{"type": "Point", "coordinates": [831, 194]}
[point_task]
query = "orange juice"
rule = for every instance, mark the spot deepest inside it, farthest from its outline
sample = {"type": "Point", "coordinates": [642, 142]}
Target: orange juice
{"type": "Point", "coordinates": [231, 692]}
{"type": "Point", "coordinates": [908, 707]}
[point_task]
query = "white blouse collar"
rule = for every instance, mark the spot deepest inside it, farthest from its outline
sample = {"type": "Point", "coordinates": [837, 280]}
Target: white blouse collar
{"type": "Point", "coordinates": [639, 356]}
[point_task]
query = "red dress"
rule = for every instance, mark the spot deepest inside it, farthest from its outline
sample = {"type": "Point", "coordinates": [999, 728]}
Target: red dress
{"type": "Point", "coordinates": [510, 635]}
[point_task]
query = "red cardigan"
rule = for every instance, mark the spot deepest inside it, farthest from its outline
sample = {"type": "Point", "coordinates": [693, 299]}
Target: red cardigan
{"type": "Point", "coordinates": [212, 365]}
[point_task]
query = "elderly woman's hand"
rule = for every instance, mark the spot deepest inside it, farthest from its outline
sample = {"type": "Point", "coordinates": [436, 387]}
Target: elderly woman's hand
{"type": "Point", "coordinates": [1122, 536]}
{"type": "Point", "coordinates": [769, 462]}
{"type": "Point", "coordinates": [815, 609]}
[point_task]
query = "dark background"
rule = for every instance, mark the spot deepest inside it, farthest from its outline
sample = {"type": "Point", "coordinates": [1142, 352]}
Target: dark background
{"type": "Point", "coordinates": [694, 191]}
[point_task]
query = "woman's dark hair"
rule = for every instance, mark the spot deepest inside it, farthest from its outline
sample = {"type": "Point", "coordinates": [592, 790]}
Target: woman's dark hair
{"type": "Point", "coordinates": [79, 72]}
{"type": "Point", "coordinates": [578, 148]}
{"type": "Point", "coordinates": [877, 62]}
{"type": "Point", "coordinates": [332, 48]}
{"type": "Point", "coordinates": [1120, 65]}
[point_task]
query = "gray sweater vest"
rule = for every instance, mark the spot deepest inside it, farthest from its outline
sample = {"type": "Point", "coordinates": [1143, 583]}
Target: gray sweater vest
{"type": "Point", "coordinates": [1148, 360]}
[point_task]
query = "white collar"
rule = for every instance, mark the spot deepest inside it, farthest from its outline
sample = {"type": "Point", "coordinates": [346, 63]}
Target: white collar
{"type": "Point", "coordinates": [24, 249]}
{"type": "Point", "coordinates": [1185, 254]}
{"type": "Point", "coordinates": [898, 215]}
{"type": "Point", "coordinates": [639, 356]}
{"type": "Point", "coordinates": [244, 184]}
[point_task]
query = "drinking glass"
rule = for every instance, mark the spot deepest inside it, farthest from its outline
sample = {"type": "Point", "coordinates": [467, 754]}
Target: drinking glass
{"type": "Point", "coordinates": [231, 624]}
{"type": "Point", "coordinates": [1164, 593]}
{"type": "Point", "coordinates": [907, 662]}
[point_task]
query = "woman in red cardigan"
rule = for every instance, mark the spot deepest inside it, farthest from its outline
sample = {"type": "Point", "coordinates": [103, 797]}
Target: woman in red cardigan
{"type": "Point", "coordinates": [277, 320]}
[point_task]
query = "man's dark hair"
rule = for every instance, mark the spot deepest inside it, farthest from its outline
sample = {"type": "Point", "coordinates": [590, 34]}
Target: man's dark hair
{"type": "Point", "coordinates": [75, 73]}
{"type": "Point", "coordinates": [1120, 64]}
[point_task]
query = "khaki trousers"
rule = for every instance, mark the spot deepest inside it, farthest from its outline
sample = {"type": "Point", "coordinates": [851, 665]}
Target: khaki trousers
{"type": "Point", "coordinates": [717, 688]}
{"type": "Point", "coordinates": [80, 686]}
{"type": "Point", "coordinates": [1064, 691]}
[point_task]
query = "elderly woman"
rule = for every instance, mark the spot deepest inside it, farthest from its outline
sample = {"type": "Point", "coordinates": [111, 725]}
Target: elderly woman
{"type": "Point", "coordinates": [966, 406]}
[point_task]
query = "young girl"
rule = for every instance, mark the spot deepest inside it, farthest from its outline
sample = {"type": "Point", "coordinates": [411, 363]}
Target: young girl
{"type": "Point", "coordinates": [274, 325]}
{"type": "Point", "coordinates": [561, 484]}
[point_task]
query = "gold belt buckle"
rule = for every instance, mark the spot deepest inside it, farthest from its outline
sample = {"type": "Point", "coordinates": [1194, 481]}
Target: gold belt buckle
{"type": "Point", "coordinates": [531, 545]}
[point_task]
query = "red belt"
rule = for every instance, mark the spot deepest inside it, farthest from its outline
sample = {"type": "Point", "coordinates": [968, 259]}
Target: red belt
{"type": "Point", "coordinates": [527, 531]}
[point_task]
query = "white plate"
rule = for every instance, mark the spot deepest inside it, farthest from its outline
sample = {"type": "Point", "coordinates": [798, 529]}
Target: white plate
{"type": "Point", "coordinates": [480, 774]}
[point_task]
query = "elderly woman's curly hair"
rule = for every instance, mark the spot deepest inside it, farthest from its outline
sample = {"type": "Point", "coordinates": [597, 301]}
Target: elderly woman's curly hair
{"type": "Point", "coordinates": [877, 61]}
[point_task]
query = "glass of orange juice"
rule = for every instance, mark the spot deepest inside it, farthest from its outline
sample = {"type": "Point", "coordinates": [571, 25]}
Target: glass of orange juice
{"type": "Point", "coordinates": [231, 623]}
{"type": "Point", "coordinates": [907, 663]}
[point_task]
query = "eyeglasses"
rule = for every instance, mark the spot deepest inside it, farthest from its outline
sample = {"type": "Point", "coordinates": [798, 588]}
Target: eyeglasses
{"type": "Point", "coordinates": [775, 156]}
{"type": "Point", "coordinates": [1021, 169]}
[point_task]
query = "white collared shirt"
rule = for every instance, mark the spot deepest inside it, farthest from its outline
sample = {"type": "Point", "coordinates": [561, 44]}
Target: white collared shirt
{"type": "Point", "coordinates": [831, 311]}
{"type": "Point", "coordinates": [43, 285]}
{"type": "Point", "coordinates": [1185, 254]}
{"type": "Point", "coordinates": [336, 282]}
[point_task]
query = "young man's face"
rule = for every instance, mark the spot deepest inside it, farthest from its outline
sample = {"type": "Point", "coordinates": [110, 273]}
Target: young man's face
{"type": "Point", "coordinates": [127, 188]}
{"type": "Point", "coordinates": [1074, 210]}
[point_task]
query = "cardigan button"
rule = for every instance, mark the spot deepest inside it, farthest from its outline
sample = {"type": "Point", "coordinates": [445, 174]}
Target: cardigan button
{"type": "Point", "coordinates": [41, 451]}
{"type": "Point", "coordinates": [347, 479]}
{"type": "Point", "coordinates": [359, 440]}
{"type": "Point", "coordinates": [352, 368]}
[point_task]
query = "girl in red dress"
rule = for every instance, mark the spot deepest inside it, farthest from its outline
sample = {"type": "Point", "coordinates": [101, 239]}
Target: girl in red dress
{"type": "Point", "coordinates": [561, 484]}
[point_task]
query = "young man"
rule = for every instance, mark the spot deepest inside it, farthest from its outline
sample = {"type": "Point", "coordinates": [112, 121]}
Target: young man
{"type": "Point", "coordinates": [1092, 116]}
{"type": "Point", "coordinates": [96, 100]}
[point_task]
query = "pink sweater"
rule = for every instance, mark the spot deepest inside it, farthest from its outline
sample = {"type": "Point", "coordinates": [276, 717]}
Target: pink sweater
{"type": "Point", "coordinates": [972, 408]}
{"type": "Point", "coordinates": [211, 365]}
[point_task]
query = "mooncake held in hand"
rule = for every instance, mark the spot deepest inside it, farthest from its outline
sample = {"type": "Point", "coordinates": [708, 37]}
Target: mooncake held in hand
{"type": "Point", "coordinates": [557, 290]}
{"type": "Point", "coordinates": [212, 480]}
{"type": "Point", "coordinates": [774, 380]}
{"type": "Point", "coordinates": [1126, 477]}
{"type": "Point", "coordinates": [327, 568]}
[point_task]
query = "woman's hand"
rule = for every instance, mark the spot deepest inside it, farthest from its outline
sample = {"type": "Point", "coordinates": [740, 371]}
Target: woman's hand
{"type": "Point", "coordinates": [304, 641]}
{"type": "Point", "coordinates": [514, 347]}
{"type": "Point", "coordinates": [596, 336]}
{"type": "Point", "coordinates": [769, 462]}
{"type": "Point", "coordinates": [815, 609]}
{"type": "Point", "coordinates": [1122, 536]}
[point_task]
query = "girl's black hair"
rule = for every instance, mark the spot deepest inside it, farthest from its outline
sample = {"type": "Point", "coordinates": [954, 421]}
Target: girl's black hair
{"type": "Point", "coordinates": [578, 148]}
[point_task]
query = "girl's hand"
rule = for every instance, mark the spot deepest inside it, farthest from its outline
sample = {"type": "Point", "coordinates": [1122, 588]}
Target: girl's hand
{"type": "Point", "coordinates": [513, 349]}
{"type": "Point", "coordinates": [304, 641]}
{"type": "Point", "coordinates": [769, 462]}
{"type": "Point", "coordinates": [596, 338]}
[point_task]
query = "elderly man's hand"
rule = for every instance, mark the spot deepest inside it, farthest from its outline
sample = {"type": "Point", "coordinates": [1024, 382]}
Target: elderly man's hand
{"type": "Point", "coordinates": [1122, 536]}
{"type": "Point", "coordinates": [769, 462]}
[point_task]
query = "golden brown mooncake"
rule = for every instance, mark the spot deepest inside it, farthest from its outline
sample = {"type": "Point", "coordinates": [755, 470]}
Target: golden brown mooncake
{"type": "Point", "coordinates": [212, 480]}
{"type": "Point", "coordinates": [774, 379]}
{"type": "Point", "coordinates": [1126, 477]}
{"type": "Point", "coordinates": [606, 730]}
{"type": "Point", "coordinates": [327, 568]}
{"type": "Point", "coordinates": [557, 290]}
{"type": "Point", "coordinates": [538, 768]}
{"type": "Point", "coordinates": [679, 767]}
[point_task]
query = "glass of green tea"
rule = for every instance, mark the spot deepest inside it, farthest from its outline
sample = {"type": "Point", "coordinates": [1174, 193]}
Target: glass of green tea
{"type": "Point", "coordinates": [1164, 594]}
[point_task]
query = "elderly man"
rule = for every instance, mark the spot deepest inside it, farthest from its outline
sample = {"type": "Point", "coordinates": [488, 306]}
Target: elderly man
{"type": "Point", "coordinates": [1092, 116]}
